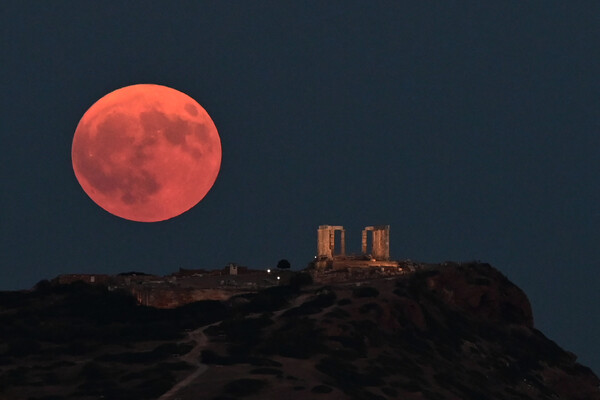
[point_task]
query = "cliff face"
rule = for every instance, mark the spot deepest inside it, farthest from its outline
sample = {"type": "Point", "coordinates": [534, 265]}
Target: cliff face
{"type": "Point", "coordinates": [450, 331]}
{"type": "Point", "coordinates": [481, 340]}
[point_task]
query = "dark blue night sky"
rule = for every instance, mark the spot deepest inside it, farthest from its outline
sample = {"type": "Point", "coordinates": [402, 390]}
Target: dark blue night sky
{"type": "Point", "coordinates": [472, 128]}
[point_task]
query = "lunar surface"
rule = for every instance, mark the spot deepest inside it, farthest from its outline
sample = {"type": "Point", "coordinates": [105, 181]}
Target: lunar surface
{"type": "Point", "coordinates": [146, 152]}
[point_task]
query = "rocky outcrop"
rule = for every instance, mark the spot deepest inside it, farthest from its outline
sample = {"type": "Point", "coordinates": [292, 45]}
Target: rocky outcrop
{"type": "Point", "coordinates": [481, 291]}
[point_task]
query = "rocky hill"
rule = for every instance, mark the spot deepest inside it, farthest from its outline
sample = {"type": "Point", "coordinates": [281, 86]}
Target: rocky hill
{"type": "Point", "coordinates": [452, 331]}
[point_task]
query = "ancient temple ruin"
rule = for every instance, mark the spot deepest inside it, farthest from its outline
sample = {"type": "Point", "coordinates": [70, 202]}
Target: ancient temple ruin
{"type": "Point", "coordinates": [374, 252]}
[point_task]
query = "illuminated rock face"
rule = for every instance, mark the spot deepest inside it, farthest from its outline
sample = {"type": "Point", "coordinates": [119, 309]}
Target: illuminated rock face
{"type": "Point", "coordinates": [165, 297]}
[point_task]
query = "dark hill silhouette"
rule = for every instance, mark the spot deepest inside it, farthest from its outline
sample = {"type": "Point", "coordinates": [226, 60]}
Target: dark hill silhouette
{"type": "Point", "coordinates": [451, 331]}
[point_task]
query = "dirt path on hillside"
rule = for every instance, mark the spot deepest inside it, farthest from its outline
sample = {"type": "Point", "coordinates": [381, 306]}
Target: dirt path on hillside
{"type": "Point", "coordinates": [193, 358]}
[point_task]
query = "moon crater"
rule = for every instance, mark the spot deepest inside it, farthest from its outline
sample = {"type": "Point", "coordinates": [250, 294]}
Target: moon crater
{"type": "Point", "coordinates": [191, 109]}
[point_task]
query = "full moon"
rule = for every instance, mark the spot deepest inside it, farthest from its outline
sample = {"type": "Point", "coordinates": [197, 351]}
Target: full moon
{"type": "Point", "coordinates": [146, 152]}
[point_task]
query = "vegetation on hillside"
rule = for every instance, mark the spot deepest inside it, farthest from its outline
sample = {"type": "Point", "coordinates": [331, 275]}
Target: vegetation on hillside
{"type": "Point", "coordinates": [453, 331]}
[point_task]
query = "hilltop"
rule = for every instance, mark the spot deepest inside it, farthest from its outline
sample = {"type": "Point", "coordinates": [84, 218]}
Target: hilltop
{"type": "Point", "coordinates": [449, 331]}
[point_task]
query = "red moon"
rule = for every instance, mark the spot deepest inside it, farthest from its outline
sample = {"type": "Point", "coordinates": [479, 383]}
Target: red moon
{"type": "Point", "coordinates": [146, 152]}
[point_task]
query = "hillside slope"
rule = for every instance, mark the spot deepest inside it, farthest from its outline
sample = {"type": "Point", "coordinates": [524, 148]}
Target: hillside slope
{"type": "Point", "coordinates": [452, 331]}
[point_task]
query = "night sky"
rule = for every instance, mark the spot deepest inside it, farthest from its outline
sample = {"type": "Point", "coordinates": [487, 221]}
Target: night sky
{"type": "Point", "coordinates": [472, 128]}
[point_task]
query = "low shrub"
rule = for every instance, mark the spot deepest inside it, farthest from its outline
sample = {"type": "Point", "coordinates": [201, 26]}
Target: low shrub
{"type": "Point", "coordinates": [266, 371]}
{"type": "Point", "coordinates": [346, 374]}
{"type": "Point", "coordinates": [366, 308]}
{"type": "Point", "coordinates": [270, 299]}
{"type": "Point", "coordinates": [313, 306]}
{"type": "Point", "coordinates": [321, 389]}
{"type": "Point", "coordinates": [244, 387]}
{"type": "Point", "coordinates": [365, 291]}
{"type": "Point", "coordinates": [210, 357]}
{"type": "Point", "coordinates": [291, 339]}
{"type": "Point", "coordinates": [94, 371]}
{"type": "Point", "coordinates": [354, 343]}
{"type": "Point", "coordinates": [338, 313]}
{"type": "Point", "coordinates": [299, 280]}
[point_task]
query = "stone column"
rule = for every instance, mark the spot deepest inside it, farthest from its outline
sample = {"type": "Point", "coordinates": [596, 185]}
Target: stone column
{"type": "Point", "coordinates": [376, 244]}
{"type": "Point", "coordinates": [332, 242]}
{"type": "Point", "coordinates": [381, 242]}
{"type": "Point", "coordinates": [324, 241]}
{"type": "Point", "coordinates": [364, 242]}
{"type": "Point", "coordinates": [386, 243]}
{"type": "Point", "coordinates": [343, 242]}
